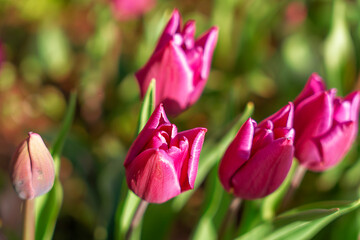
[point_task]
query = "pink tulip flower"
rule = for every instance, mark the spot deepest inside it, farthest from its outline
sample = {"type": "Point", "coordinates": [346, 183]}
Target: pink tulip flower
{"type": "Point", "coordinates": [326, 126]}
{"type": "Point", "coordinates": [32, 168]}
{"type": "Point", "coordinates": [259, 158]}
{"type": "Point", "coordinates": [163, 163]}
{"type": "Point", "coordinates": [129, 9]}
{"type": "Point", "coordinates": [180, 65]}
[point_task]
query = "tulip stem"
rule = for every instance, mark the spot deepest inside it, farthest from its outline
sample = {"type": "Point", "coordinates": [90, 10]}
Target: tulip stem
{"type": "Point", "coordinates": [232, 210]}
{"type": "Point", "coordinates": [29, 220]}
{"type": "Point", "coordinates": [295, 183]}
{"type": "Point", "coordinates": [137, 218]}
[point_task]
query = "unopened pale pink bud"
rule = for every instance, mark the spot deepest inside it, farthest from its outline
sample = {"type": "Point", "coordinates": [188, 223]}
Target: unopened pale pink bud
{"type": "Point", "coordinates": [32, 168]}
{"type": "Point", "coordinates": [180, 65]}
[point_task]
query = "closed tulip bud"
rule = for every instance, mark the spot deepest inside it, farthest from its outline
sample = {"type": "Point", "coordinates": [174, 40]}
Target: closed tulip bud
{"type": "Point", "coordinates": [326, 126]}
{"type": "Point", "coordinates": [259, 158]}
{"type": "Point", "coordinates": [32, 168]}
{"type": "Point", "coordinates": [163, 163]}
{"type": "Point", "coordinates": [180, 65]}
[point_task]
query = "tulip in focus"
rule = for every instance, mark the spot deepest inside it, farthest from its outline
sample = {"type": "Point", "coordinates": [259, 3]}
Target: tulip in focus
{"type": "Point", "coordinates": [129, 9]}
{"type": "Point", "coordinates": [163, 163]}
{"type": "Point", "coordinates": [180, 64]}
{"type": "Point", "coordinates": [32, 168]}
{"type": "Point", "coordinates": [259, 158]}
{"type": "Point", "coordinates": [326, 126]}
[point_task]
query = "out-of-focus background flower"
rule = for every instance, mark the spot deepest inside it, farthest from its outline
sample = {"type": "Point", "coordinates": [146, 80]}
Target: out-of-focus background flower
{"type": "Point", "coordinates": [265, 53]}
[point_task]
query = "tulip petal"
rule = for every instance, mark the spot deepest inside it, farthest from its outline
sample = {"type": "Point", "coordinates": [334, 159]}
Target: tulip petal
{"type": "Point", "coordinates": [152, 176]}
{"type": "Point", "coordinates": [171, 28]}
{"type": "Point", "coordinates": [188, 34]}
{"type": "Point", "coordinates": [173, 75]}
{"type": "Point", "coordinates": [179, 154]}
{"type": "Point", "coordinates": [333, 146]}
{"type": "Point", "coordinates": [157, 118]}
{"type": "Point", "coordinates": [189, 170]}
{"type": "Point", "coordinates": [314, 85]}
{"type": "Point", "coordinates": [237, 153]}
{"type": "Point", "coordinates": [307, 153]}
{"type": "Point", "coordinates": [265, 171]}
{"type": "Point", "coordinates": [207, 43]}
{"type": "Point", "coordinates": [282, 118]}
{"type": "Point", "coordinates": [313, 116]}
{"type": "Point", "coordinates": [262, 138]}
{"type": "Point", "coordinates": [288, 133]}
{"type": "Point", "coordinates": [354, 99]}
{"type": "Point", "coordinates": [20, 168]}
{"type": "Point", "coordinates": [42, 165]}
{"type": "Point", "coordinates": [342, 110]}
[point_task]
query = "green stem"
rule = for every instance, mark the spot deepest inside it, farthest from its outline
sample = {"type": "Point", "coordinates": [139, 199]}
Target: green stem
{"type": "Point", "coordinates": [232, 210]}
{"type": "Point", "coordinates": [29, 220]}
{"type": "Point", "coordinates": [137, 218]}
{"type": "Point", "coordinates": [295, 183]}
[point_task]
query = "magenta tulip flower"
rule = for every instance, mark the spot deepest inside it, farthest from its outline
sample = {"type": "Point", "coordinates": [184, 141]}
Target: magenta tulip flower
{"type": "Point", "coordinates": [129, 9]}
{"type": "Point", "coordinates": [259, 158]}
{"type": "Point", "coordinates": [180, 65]}
{"type": "Point", "coordinates": [326, 126]}
{"type": "Point", "coordinates": [163, 163]}
{"type": "Point", "coordinates": [32, 168]}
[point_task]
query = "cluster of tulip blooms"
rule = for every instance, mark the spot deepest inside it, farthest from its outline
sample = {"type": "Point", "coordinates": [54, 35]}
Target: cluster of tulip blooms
{"type": "Point", "coordinates": [318, 128]}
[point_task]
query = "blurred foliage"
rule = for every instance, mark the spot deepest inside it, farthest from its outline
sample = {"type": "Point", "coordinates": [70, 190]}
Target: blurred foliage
{"type": "Point", "coordinates": [266, 52]}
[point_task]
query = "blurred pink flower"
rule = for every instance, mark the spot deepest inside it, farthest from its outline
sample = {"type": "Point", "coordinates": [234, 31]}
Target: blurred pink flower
{"type": "Point", "coordinates": [32, 168]}
{"type": "Point", "coordinates": [129, 9]}
{"type": "Point", "coordinates": [2, 54]}
{"type": "Point", "coordinates": [326, 126]}
{"type": "Point", "coordinates": [259, 158]}
{"type": "Point", "coordinates": [161, 162]}
{"type": "Point", "coordinates": [180, 64]}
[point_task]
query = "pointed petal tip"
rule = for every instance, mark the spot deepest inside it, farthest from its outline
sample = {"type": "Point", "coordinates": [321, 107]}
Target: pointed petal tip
{"type": "Point", "coordinates": [175, 16]}
{"type": "Point", "coordinates": [315, 77]}
{"type": "Point", "coordinates": [316, 81]}
{"type": "Point", "coordinates": [32, 134]}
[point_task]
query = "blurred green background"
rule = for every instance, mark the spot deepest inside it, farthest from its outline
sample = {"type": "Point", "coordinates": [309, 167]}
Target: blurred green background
{"type": "Point", "coordinates": [266, 51]}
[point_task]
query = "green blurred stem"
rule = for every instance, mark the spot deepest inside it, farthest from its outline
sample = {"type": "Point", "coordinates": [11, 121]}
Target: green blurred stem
{"type": "Point", "coordinates": [295, 183]}
{"type": "Point", "coordinates": [229, 217]}
{"type": "Point", "coordinates": [29, 220]}
{"type": "Point", "coordinates": [137, 218]}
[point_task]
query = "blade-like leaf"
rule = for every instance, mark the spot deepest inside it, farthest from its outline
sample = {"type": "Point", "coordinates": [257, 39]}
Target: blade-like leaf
{"type": "Point", "coordinates": [148, 105]}
{"type": "Point", "coordinates": [303, 222]}
{"type": "Point", "coordinates": [206, 228]}
{"type": "Point", "coordinates": [48, 205]}
{"type": "Point", "coordinates": [213, 154]}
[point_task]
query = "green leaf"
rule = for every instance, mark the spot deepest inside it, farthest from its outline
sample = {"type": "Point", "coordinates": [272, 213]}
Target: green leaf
{"type": "Point", "coordinates": [148, 105]}
{"type": "Point", "coordinates": [206, 228]}
{"type": "Point", "coordinates": [211, 154]}
{"type": "Point", "coordinates": [303, 222]}
{"type": "Point", "coordinates": [126, 209]}
{"type": "Point", "coordinates": [47, 210]}
{"type": "Point", "coordinates": [48, 205]}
